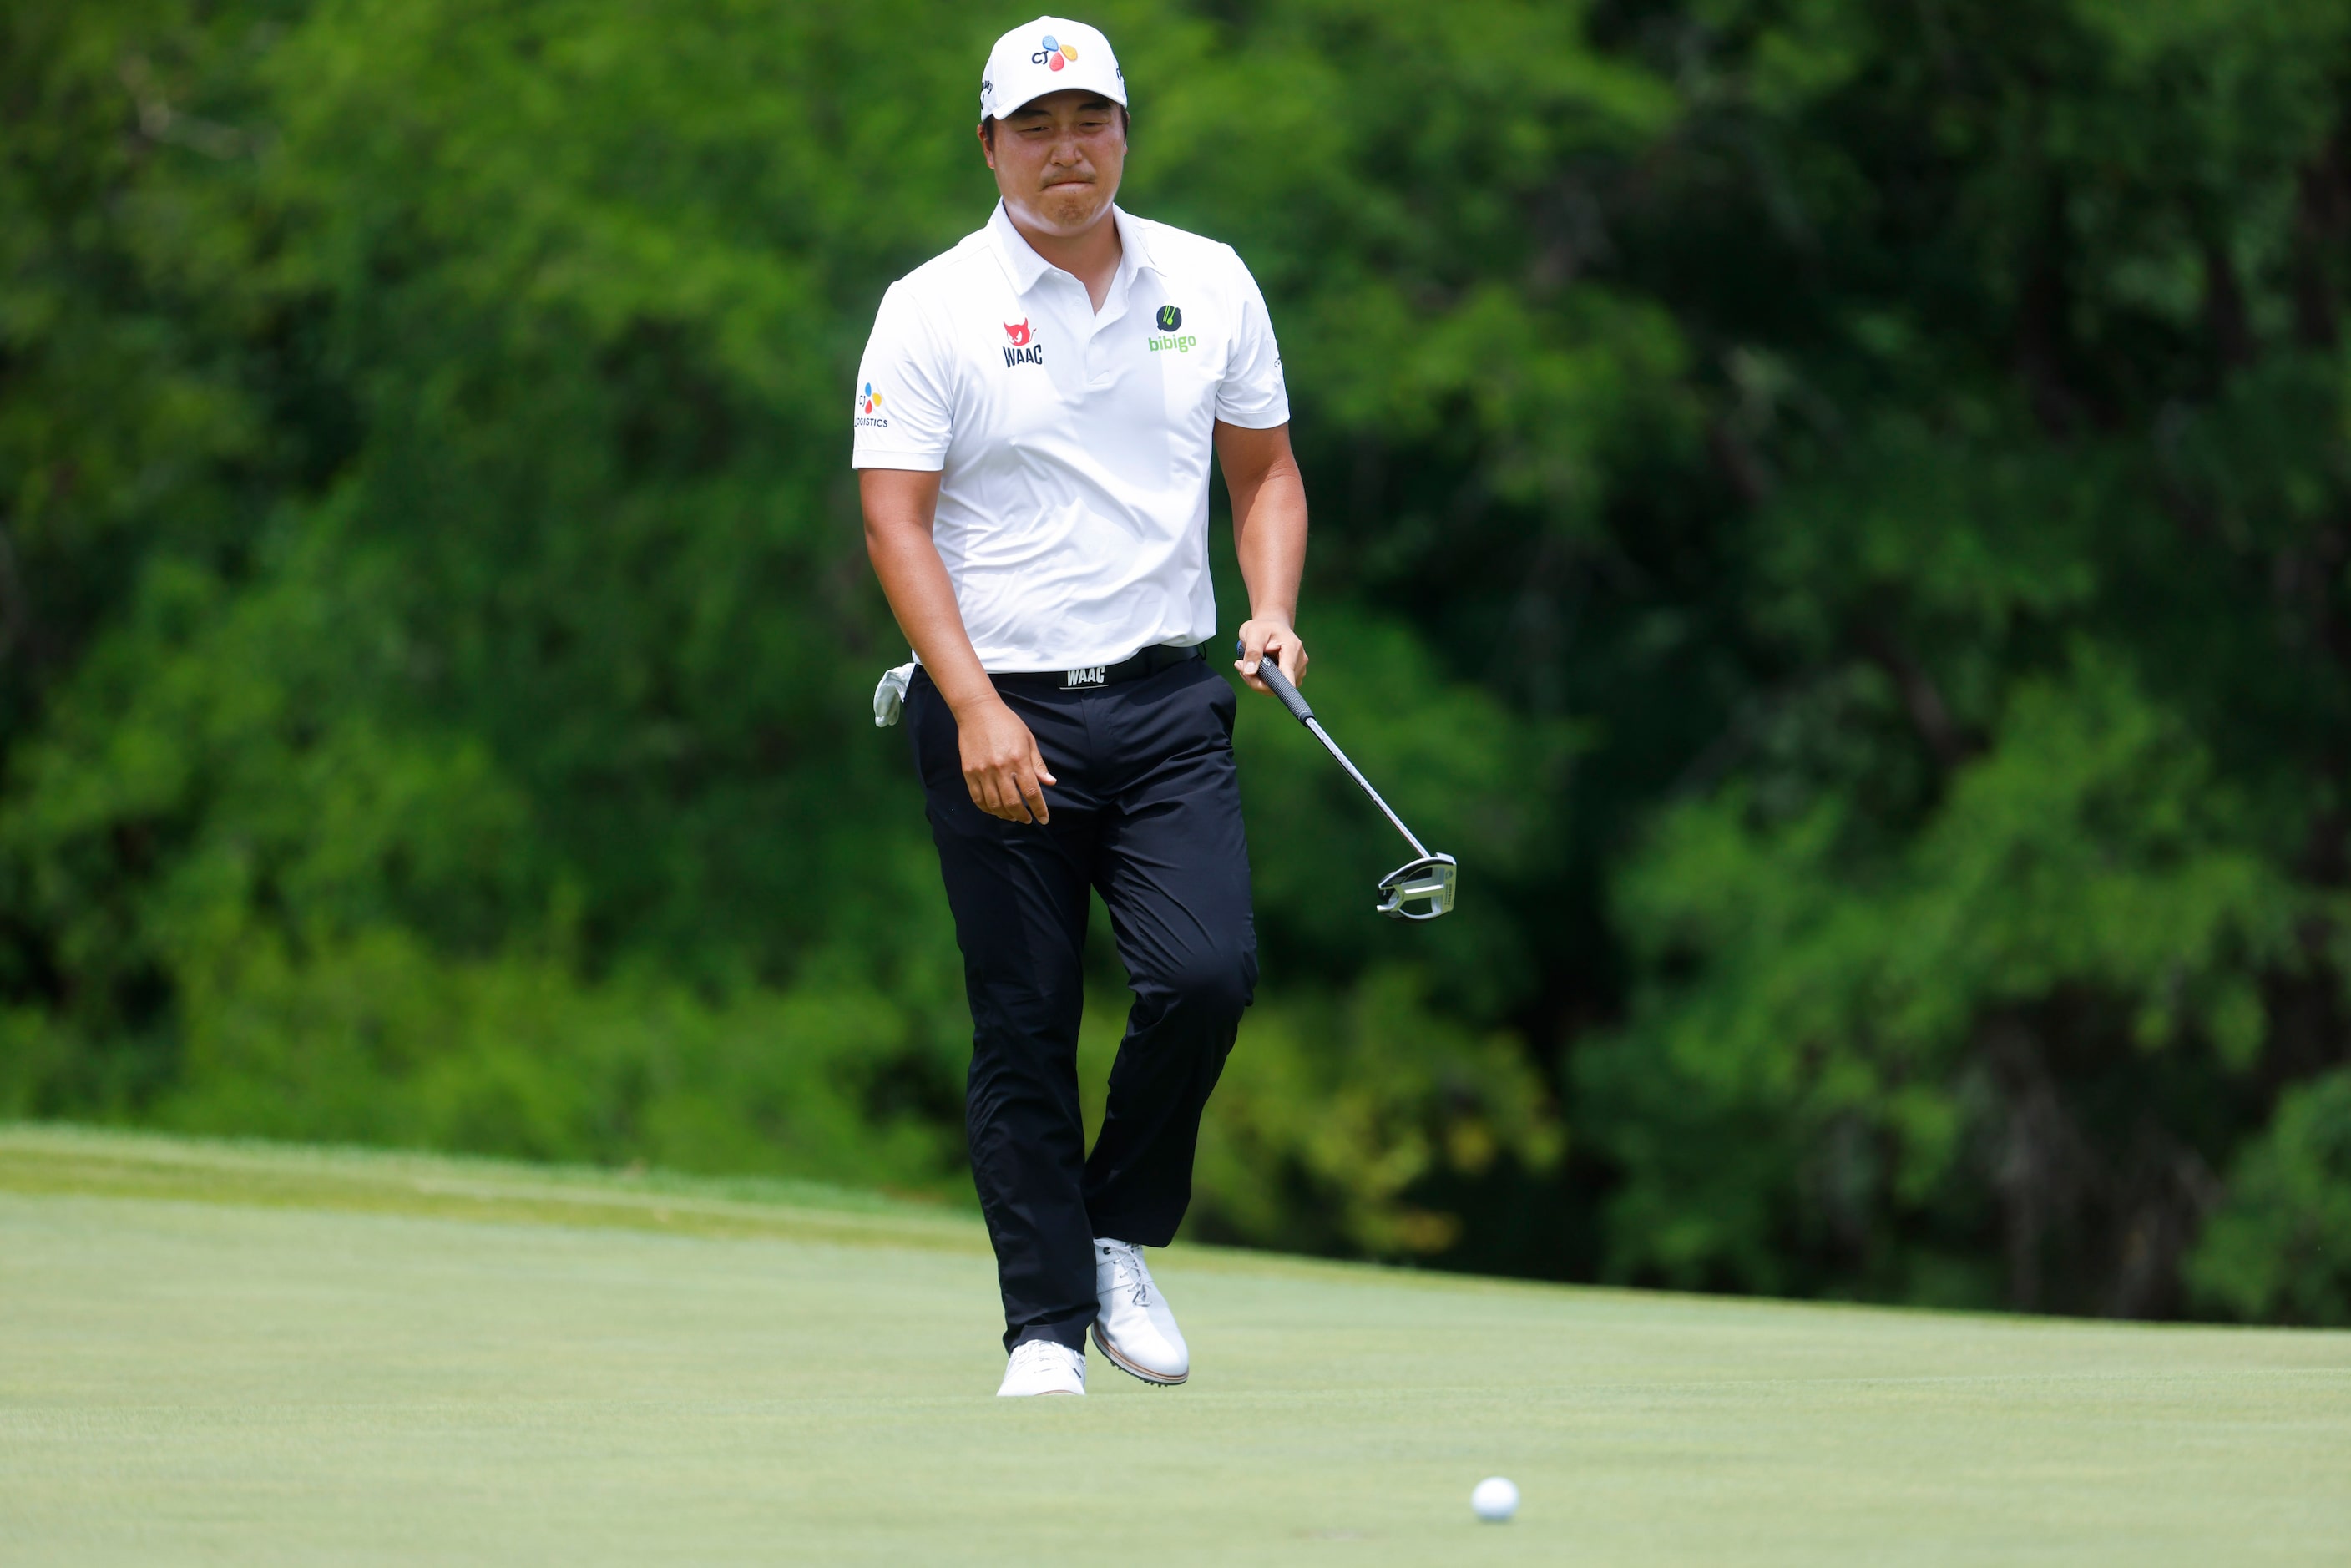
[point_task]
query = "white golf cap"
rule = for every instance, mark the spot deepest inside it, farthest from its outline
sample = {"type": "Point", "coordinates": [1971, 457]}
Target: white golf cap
{"type": "Point", "coordinates": [1052, 54]}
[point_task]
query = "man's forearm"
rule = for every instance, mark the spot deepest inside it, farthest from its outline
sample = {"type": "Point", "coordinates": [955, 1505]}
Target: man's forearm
{"type": "Point", "coordinates": [1270, 537]}
{"type": "Point", "coordinates": [1268, 516]}
{"type": "Point", "coordinates": [898, 509]}
{"type": "Point", "coordinates": [1001, 764]}
{"type": "Point", "coordinates": [915, 582]}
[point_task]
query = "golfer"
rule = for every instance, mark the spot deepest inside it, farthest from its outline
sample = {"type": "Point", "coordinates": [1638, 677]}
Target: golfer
{"type": "Point", "coordinates": [1035, 415]}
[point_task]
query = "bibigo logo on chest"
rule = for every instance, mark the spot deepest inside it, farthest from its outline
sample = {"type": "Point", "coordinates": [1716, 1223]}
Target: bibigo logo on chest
{"type": "Point", "coordinates": [1167, 318]}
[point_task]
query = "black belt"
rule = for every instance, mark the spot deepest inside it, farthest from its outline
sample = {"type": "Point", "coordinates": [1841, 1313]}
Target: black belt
{"type": "Point", "coordinates": [1150, 662]}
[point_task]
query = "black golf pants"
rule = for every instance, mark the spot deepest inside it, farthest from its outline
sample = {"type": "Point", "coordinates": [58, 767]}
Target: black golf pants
{"type": "Point", "coordinates": [1146, 811]}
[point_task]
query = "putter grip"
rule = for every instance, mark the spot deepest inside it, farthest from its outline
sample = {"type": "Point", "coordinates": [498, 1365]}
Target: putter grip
{"type": "Point", "coordinates": [1270, 673]}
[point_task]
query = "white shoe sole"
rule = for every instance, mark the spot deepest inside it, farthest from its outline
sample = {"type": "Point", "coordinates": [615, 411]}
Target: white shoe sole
{"type": "Point", "coordinates": [1156, 1379]}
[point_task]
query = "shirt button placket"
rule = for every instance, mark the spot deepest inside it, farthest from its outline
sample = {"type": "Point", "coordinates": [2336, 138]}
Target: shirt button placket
{"type": "Point", "coordinates": [1101, 346]}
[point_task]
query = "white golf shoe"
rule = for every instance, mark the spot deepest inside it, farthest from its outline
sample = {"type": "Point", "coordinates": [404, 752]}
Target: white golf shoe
{"type": "Point", "coordinates": [1040, 1366]}
{"type": "Point", "coordinates": [1132, 1325]}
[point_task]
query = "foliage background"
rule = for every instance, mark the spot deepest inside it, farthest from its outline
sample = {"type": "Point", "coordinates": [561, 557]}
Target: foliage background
{"type": "Point", "coordinates": [1839, 514]}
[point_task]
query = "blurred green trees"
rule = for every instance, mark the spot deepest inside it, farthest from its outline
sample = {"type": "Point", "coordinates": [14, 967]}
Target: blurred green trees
{"type": "Point", "coordinates": [1839, 515]}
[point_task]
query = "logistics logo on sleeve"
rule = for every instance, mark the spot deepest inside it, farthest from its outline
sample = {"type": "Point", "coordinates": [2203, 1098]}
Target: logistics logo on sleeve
{"type": "Point", "coordinates": [869, 405]}
{"type": "Point", "coordinates": [1022, 351]}
{"type": "Point", "coordinates": [1055, 56]}
{"type": "Point", "coordinates": [1167, 320]}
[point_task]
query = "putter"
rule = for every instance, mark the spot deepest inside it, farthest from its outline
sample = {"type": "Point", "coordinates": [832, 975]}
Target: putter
{"type": "Point", "coordinates": [1419, 890]}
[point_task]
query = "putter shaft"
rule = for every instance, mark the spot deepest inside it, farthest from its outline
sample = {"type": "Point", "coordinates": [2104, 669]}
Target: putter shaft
{"type": "Point", "coordinates": [1270, 673]}
{"type": "Point", "coordinates": [1355, 773]}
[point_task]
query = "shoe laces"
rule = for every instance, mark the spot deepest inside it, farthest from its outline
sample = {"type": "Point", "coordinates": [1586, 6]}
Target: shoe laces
{"type": "Point", "coordinates": [1127, 1258]}
{"type": "Point", "coordinates": [1039, 1356]}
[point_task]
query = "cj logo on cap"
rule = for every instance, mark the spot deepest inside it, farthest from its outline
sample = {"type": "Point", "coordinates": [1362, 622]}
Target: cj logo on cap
{"type": "Point", "coordinates": [1169, 317]}
{"type": "Point", "coordinates": [1055, 55]}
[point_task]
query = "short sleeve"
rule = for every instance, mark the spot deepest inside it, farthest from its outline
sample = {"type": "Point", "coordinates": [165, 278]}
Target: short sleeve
{"type": "Point", "coordinates": [902, 410]}
{"type": "Point", "coordinates": [1252, 394]}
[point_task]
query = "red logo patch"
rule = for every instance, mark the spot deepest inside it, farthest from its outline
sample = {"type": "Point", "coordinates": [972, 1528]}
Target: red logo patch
{"type": "Point", "coordinates": [1019, 335]}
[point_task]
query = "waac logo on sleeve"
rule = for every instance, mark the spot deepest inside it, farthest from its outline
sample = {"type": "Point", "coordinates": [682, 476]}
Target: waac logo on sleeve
{"type": "Point", "coordinates": [1021, 352]}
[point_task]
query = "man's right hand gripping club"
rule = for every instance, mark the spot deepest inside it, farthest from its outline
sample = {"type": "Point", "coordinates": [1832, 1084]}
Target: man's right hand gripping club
{"type": "Point", "coordinates": [1001, 764]}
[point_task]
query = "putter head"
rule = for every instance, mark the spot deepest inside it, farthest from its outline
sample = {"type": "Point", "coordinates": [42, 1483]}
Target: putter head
{"type": "Point", "coordinates": [1420, 891]}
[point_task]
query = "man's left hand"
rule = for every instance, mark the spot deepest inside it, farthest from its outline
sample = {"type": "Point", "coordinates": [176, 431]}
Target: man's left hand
{"type": "Point", "coordinates": [1271, 639]}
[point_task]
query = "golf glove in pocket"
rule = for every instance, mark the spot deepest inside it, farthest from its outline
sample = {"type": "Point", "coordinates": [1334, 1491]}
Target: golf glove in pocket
{"type": "Point", "coordinates": [890, 696]}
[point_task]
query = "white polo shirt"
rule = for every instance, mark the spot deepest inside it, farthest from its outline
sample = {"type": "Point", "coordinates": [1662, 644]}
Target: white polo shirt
{"type": "Point", "coordinates": [1072, 447]}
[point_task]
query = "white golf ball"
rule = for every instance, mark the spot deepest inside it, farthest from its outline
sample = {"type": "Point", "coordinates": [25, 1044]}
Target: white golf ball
{"type": "Point", "coordinates": [1495, 1499]}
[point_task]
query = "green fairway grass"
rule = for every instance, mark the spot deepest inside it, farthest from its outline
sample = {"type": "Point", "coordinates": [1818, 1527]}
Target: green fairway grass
{"type": "Point", "coordinates": [229, 1353]}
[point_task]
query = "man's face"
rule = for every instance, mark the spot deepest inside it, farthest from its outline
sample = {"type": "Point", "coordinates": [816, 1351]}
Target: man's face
{"type": "Point", "coordinates": [1058, 160]}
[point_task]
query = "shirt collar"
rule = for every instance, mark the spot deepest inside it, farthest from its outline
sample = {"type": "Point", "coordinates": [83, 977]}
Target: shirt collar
{"type": "Point", "coordinates": [1024, 267]}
